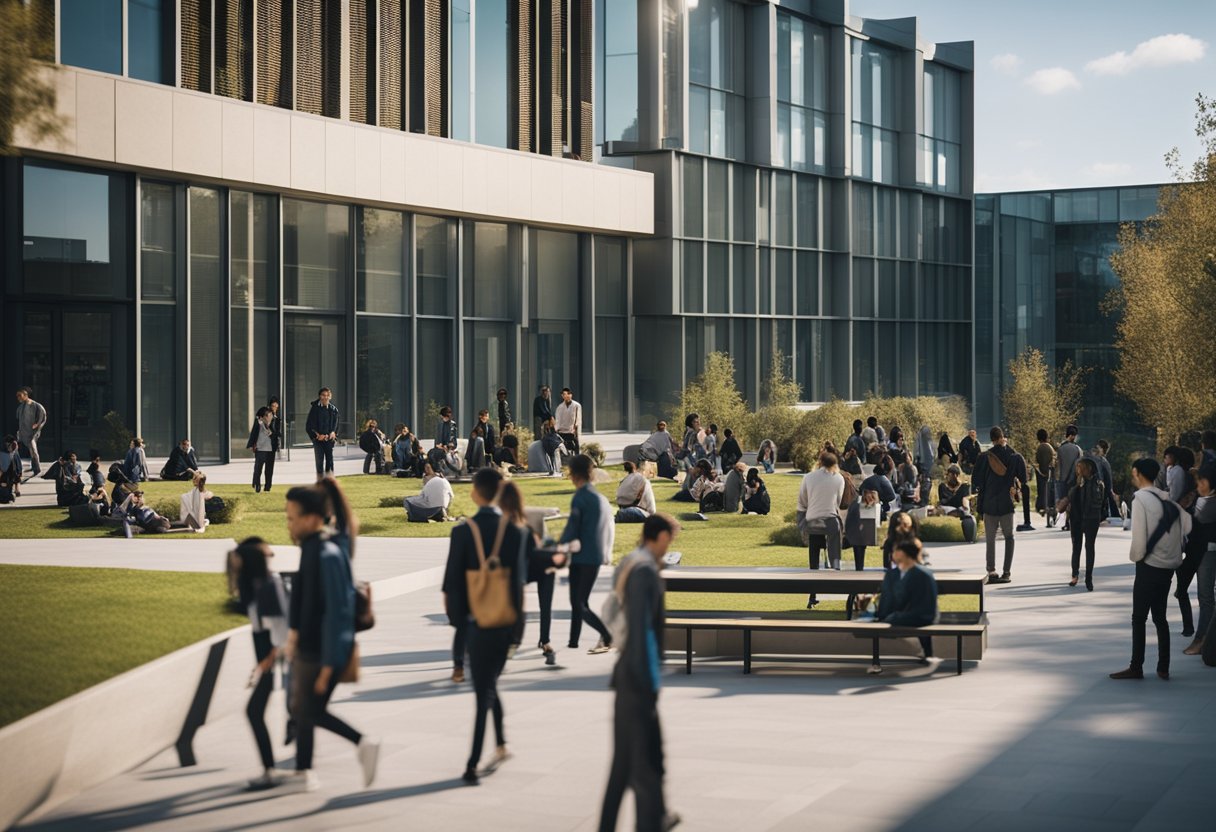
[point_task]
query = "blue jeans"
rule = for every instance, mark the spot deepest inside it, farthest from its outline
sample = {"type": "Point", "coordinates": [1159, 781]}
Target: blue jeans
{"type": "Point", "coordinates": [633, 514]}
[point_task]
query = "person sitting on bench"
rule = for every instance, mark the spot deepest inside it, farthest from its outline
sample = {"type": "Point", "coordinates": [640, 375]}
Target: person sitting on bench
{"type": "Point", "coordinates": [194, 504]}
{"type": "Point", "coordinates": [634, 496]}
{"type": "Point", "coordinates": [433, 502]}
{"type": "Point", "coordinates": [182, 464]}
{"type": "Point", "coordinates": [909, 595]}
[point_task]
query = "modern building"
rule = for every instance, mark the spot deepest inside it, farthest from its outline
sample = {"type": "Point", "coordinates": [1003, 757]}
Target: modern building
{"type": "Point", "coordinates": [813, 177]}
{"type": "Point", "coordinates": [1042, 273]}
{"type": "Point", "coordinates": [415, 202]}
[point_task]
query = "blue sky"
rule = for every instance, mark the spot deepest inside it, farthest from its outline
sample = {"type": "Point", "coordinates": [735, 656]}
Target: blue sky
{"type": "Point", "coordinates": [1064, 98]}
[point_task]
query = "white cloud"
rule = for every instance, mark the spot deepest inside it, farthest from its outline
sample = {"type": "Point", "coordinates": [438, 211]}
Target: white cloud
{"type": "Point", "coordinates": [1163, 50]}
{"type": "Point", "coordinates": [1108, 169]}
{"type": "Point", "coordinates": [1052, 81]}
{"type": "Point", "coordinates": [1006, 63]}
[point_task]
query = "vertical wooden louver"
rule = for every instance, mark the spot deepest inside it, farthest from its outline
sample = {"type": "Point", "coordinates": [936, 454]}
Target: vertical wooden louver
{"type": "Point", "coordinates": [274, 52]}
{"type": "Point", "coordinates": [428, 67]}
{"type": "Point", "coordinates": [389, 92]}
{"type": "Point", "coordinates": [360, 47]}
{"type": "Point", "coordinates": [196, 45]}
{"type": "Point", "coordinates": [551, 18]}
{"type": "Point", "coordinates": [331, 58]}
{"type": "Point", "coordinates": [522, 105]}
{"type": "Point", "coordinates": [234, 49]}
{"type": "Point", "coordinates": [309, 43]}
{"type": "Point", "coordinates": [582, 93]}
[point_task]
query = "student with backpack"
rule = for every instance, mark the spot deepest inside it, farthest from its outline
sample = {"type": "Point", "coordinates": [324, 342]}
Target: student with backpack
{"type": "Point", "coordinates": [321, 641]}
{"type": "Point", "coordinates": [1159, 528]}
{"type": "Point", "coordinates": [636, 616]}
{"type": "Point", "coordinates": [264, 600]}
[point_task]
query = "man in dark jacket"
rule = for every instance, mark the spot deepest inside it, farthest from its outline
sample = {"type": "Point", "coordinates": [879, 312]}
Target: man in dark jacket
{"type": "Point", "coordinates": [504, 410]}
{"type": "Point", "coordinates": [856, 442]}
{"type": "Point", "coordinates": [322, 427]}
{"type": "Point", "coordinates": [968, 452]}
{"type": "Point", "coordinates": [1066, 464]}
{"type": "Point", "coordinates": [637, 759]}
{"type": "Point", "coordinates": [446, 433]}
{"type": "Point", "coordinates": [1044, 476]}
{"type": "Point", "coordinates": [730, 452]}
{"type": "Point", "coordinates": [491, 438]}
{"type": "Point", "coordinates": [909, 594]}
{"type": "Point", "coordinates": [182, 464]}
{"type": "Point", "coordinates": [995, 472]}
{"type": "Point", "coordinates": [542, 409]}
{"type": "Point", "coordinates": [880, 484]}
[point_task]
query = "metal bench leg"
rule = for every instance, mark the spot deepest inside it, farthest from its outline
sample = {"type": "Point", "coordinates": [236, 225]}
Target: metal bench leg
{"type": "Point", "coordinates": [875, 660]}
{"type": "Point", "coordinates": [688, 651]}
{"type": "Point", "coordinates": [747, 651]}
{"type": "Point", "coordinates": [848, 607]}
{"type": "Point", "coordinates": [959, 657]}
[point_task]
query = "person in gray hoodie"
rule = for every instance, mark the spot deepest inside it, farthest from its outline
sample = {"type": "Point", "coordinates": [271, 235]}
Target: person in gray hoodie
{"type": "Point", "coordinates": [31, 417]}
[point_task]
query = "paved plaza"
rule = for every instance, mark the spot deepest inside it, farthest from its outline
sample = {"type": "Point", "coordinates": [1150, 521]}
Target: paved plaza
{"type": "Point", "coordinates": [1033, 737]}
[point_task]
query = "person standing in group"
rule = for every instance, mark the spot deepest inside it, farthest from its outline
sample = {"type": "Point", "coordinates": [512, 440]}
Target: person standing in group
{"type": "Point", "coordinates": [321, 641]}
{"type": "Point", "coordinates": [637, 757]}
{"type": "Point", "coordinates": [1021, 477]}
{"type": "Point", "coordinates": [569, 420]}
{"type": "Point", "coordinates": [322, 428]}
{"type": "Point", "coordinates": [31, 418]}
{"type": "Point", "coordinates": [994, 480]}
{"type": "Point", "coordinates": [504, 410]}
{"type": "Point", "coordinates": [135, 464]}
{"type": "Point", "coordinates": [265, 446]}
{"type": "Point", "coordinates": [264, 600]}
{"type": "Point", "coordinates": [731, 453]}
{"type": "Point", "coordinates": [1087, 507]}
{"type": "Point", "coordinates": [869, 433]}
{"type": "Point", "coordinates": [542, 409]}
{"type": "Point", "coordinates": [486, 538]}
{"type": "Point", "coordinates": [1159, 528]}
{"type": "Point", "coordinates": [692, 449]}
{"type": "Point", "coordinates": [588, 539]}
{"type": "Point", "coordinates": [1044, 477]}
{"type": "Point", "coordinates": [276, 423]}
{"type": "Point", "coordinates": [536, 566]}
{"type": "Point", "coordinates": [861, 526]}
{"type": "Point", "coordinates": [819, 513]}
{"type": "Point", "coordinates": [446, 433]}
{"type": "Point", "coordinates": [1066, 464]}
{"type": "Point", "coordinates": [968, 452]}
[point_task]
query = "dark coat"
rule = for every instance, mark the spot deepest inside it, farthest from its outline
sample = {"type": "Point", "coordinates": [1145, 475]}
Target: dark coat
{"type": "Point", "coordinates": [542, 408]}
{"type": "Point", "coordinates": [276, 439]}
{"type": "Point", "coordinates": [180, 462]}
{"type": "Point", "coordinates": [908, 600]}
{"type": "Point", "coordinates": [1087, 501]}
{"type": "Point", "coordinates": [994, 496]}
{"type": "Point", "coordinates": [515, 554]}
{"type": "Point", "coordinates": [322, 420]}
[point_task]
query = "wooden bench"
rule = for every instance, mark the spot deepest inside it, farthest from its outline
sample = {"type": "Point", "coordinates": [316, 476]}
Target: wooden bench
{"type": "Point", "coordinates": [861, 629]}
{"type": "Point", "coordinates": [781, 580]}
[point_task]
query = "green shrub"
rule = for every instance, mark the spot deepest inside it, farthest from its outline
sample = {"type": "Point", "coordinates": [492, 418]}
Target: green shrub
{"type": "Point", "coordinates": [595, 451]}
{"type": "Point", "coordinates": [787, 535]}
{"type": "Point", "coordinates": [946, 530]}
{"type": "Point", "coordinates": [949, 415]}
{"type": "Point", "coordinates": [115, 438]}
{"type": "Point", "coordinates": [232, 512]}
{"type": "Point", "coordinates": [714, 397]}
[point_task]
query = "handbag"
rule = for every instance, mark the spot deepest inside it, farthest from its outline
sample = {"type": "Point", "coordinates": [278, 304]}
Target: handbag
{"type": "Point", "coordinates": [489, 585]}
{"type": "Point", "coordinates": [365, 616]}
{"type": "Point", "coordinates": [350, 673]}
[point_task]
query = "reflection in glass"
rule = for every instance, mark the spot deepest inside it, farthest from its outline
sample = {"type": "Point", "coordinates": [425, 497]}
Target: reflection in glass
{"type": "Point", "coordinates": [491, 72]}
{"type": "Point", "coordinates": [611, 266]}
{"type": "Point", "coordinates": [610, 367]}
{"type": "Point", "coordinates": [150, 48]}
{"type": "Point", "coordinates": [208, 425]}
{"type": "Point", "coordinates": [380, 276]}
{"type": "Point", "coordinates": [618, 75]}
{"type": "Point", "coordinates": [435, 265]}
{"type": "Point", "coordinates": [158, 240]}
{"type": "Point", "coordinates": [159, 335]}
{"type": "Point", "coordinates": [461, 83]}
{"type": "Point", "coordinates": [254, 271]}
{"type": "Point", "coordinates": [90, 34]}
{"type": "Point", "coordinates": [316, 269]}
{"type": "Point", "coordinates": [489, 279]}
{"type": "Point", "coordinates": [315, 356]}
{"type": "Point", "coordinates": [382, 371]}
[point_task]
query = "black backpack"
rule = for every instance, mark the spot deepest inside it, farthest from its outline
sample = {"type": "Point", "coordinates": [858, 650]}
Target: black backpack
{"type": "Point", "coordinates": [116, 474]}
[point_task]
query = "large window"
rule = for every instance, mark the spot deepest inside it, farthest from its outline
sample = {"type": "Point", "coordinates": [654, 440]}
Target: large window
{"type": "Point", "coordinates": [611, 332]}
{"type": "Point", "coordinates": [491, 251]}
{"type": "Point", "coordinates": [380, 274]}
{"type": "Point", "coordinates": [382, 371]}
{"type": "Point", "coordinates": [435, 265]}
{"type": "Point", "coordinates": [207, 343]}
{"type": "Point", "coordinates": [253, 259]}
{"type": "Point", "coordinates": [460, 77]}
{"type": "Point", "coordinates": [801, 93]}
{"type": "Point", "coordinates": [491, 74]}
{"type": "Point", "coordinates": [316, 260]}
{"type": "Point", "coordinates": [941, 143]}
{"type": "Point", "coordinates": [716, 78]}
{"type": "Point", "coordinates": [618, 71]}
{"type": "Point", "coordinates": [90, 34]}
{"type": "Point", "coordinates": [875, 112]}
{"type": "Point", "coordinates": [160, 330]}
{"type": "Point", "coordinates": [555, 336]}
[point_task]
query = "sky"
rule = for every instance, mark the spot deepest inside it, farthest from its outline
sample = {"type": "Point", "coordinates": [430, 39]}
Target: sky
{"type": "Point", "coordinates": [1075, 93]}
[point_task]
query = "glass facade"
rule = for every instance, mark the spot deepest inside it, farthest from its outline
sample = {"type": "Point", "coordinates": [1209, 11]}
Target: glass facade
{"type": "Point", "coordinates": [91, 37]}
{"type": "Point", "coordinates": [875, 111]}
{"type": "Point", "coordinates": [716, 85]}
{"type": "Point", "coordinates": [802, 93]}
{"type": "Point", "coordinates": [617, 76]}
{"type": "Point", "coordinates": [941, 143]}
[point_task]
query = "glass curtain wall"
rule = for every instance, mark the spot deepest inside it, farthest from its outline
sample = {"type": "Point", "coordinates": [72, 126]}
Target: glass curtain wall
{"type": "Point", "coordinates": [716, 83]}
{"type": "Point", "coordinates": [875, 112]}
{"type": "Point", "coordinates": [91, 37]}
{"type": "Point", "coordinates": [382, 337]}
{"type": "Point", "coordinates": [941, 144]}
{"type": "Point", "coordinates": [611, 332]}
{"type": "Point", "coordinates": [160, 332]}
{"type": "Point", "coordinates": [617, 59]}
{"type": "Point", "coordinates": [435, 265]}
{"type": "Point", "coordinates": [208, 345]}
{"type": "Point", "coordinates": [254, 280]}
{"type": "Point", "coordinates": [554, 336]}
{"type": "Point", "coordinates": [802, 97]}
{"type": "Point", "coordinates": [491, 252]}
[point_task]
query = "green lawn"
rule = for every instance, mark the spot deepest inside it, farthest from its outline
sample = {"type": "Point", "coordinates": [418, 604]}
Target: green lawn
{"type": "Point", "coordinates": [66, 629]}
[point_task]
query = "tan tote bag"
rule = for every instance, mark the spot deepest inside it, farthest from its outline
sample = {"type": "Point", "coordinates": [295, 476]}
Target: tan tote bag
{"type": "Point", "coordinates": [490, 585]}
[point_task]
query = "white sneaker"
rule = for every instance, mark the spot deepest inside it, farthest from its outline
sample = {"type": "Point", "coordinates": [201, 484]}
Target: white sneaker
{"type": "Point", "coordinates": [874, 670]}
{"type": "Point", "coordinates": [302, 781]}
{"type": "Point", "coordinates": [368, 753]}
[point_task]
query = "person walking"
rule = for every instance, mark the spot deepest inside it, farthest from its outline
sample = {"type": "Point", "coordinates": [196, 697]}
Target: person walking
{"type": "Point", "coordinates": [588, 539]}
{"type": "Point", "coordinates": [322, 428]}
{"type": "Point", "coordinates": [486, 538]}
{"type": "Point", "coordinates": [264, 600]}
{"type": "Point", "coordinates": [994, 479]}
{"type": "Point", "coordinates": [1159, 528]}
{"type": "Point", "coordinates": [968, 452]}
{"type": "Point", "coordinates": [321, 641]}
{"type": "Point", "coordinates": [819, 514]}
{"type": "Point", "coordinates": [542, 409]}
{"type": "Point", "coordinates": [1201, 551]}
{"type": "Point", "coordinates": [265, 446]}
{"type": "Point", "coordinates": [637, 755]}
{"type": "Point", "coordinates": [538, 567]}
{"type": "Point", "coordinates": [1087, 507]}
{"type": "Point", "coordinates": [31, 418]}
{"type": "Point", "coordinates": [1044, 478]}
{"type": "Point", "coordinates": [569, 420]}
{"type": "Point", "coordinates": [1066, 464]}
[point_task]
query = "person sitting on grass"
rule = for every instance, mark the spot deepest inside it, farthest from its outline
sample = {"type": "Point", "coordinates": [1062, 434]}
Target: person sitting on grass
{"type": "Point", "coordinates": [730, 452]}
{"type": "Point", "coordinates": [684, 495]}
{"type": "Point", "coordinates": [475, 454]}
{"type": "Point", "coordinates": [755, 494]}
{"type": "Point", "coordinates": [708, 489]}
{"type": "Point", "coordinates": [70, 482]}
{"type": "Point", "coordinates": [507, 452]}
{"type": "Point", "coordinates": [194, 504]}
{"type": "Point", "coordinates": [732, 491]}
{"type": "Point", "coordinates": [10, 469]}
{"type": "Point", "coordinates": [634, 497]}
{"type": "Point", "coordinates": [766, 457]}
{"type": "Point", "coordinates": [372, 442]}
{"type": "Point", "coordinates": [182, 463]}
{"type": "Point", "coordinates": [909, 595]}
{"type": "Point", "coordinates": [433, 502]}
{"type": "Point", "coordinates": [139, 513]}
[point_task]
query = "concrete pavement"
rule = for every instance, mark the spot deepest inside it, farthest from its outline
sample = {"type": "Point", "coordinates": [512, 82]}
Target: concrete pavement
{"type": "Point", "coordinates": [1034, 737]}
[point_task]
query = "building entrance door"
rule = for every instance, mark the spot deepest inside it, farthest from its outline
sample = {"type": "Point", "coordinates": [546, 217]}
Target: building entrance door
{"type": "Point", "coordinates": [315, 357]}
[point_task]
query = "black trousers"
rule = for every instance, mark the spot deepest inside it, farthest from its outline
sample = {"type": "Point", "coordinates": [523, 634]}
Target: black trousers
{"type": "Point", "coordinates": [1040, 500]}
{"type": "Point", "coordinates": [323, 452]}
{"type": "Point", "coordinates": [459, 644]}
{"type": "Point", "coordinates": [571, 441]}
{"type": "Point", "coordinates": [263, 464]}
{"type": "Point", "coordinates": [859, 558]}
{"type": "Point", "coordinates": [1087, 532]}
{"type": "Point", "coordinates": [1186, 574]}
{"type": "Point", "coordinates": [637, 761]}
{"type": "Point", "coordinates": [582, 581]}
{"type": "Point", "coordinates": [377, 458]}
{"type": "Point", "coordinates": [487, 656]}
{"type": "Point", "coordinates": [1026, 504]}
{"type": "Point", "coordinates": [256, 712]}
{"type": "Point", "coordinates": [310, 711]}
{"type": "Point", "coordinates": [544, 591]}
{"type": "Point", "coordinates": [1150, 595]}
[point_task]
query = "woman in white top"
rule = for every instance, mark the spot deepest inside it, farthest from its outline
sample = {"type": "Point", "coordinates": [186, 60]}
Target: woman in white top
{"type": "Point", "coordinates": [634, 496]}
{"type": "Point", "coordinates": [194, 504]}
{"type": "Point", "coordinates": [265, 601]}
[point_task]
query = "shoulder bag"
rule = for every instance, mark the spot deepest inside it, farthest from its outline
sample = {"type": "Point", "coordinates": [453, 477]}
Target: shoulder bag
{"type": "Point", "coordinates": [490, 584]}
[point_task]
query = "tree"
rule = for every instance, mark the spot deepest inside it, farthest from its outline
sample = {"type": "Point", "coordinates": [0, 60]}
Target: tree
{"type": "Point", "coordinates": [1033, 400]}
{"type": "Point", "coordinates": [782, 390]}
{"type": "Point", "coordinates": [713, 396]}
{"type": "Point", "coordinates": [27, 90]}
{"type": "Point", "coordinates": [1167, 274]}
